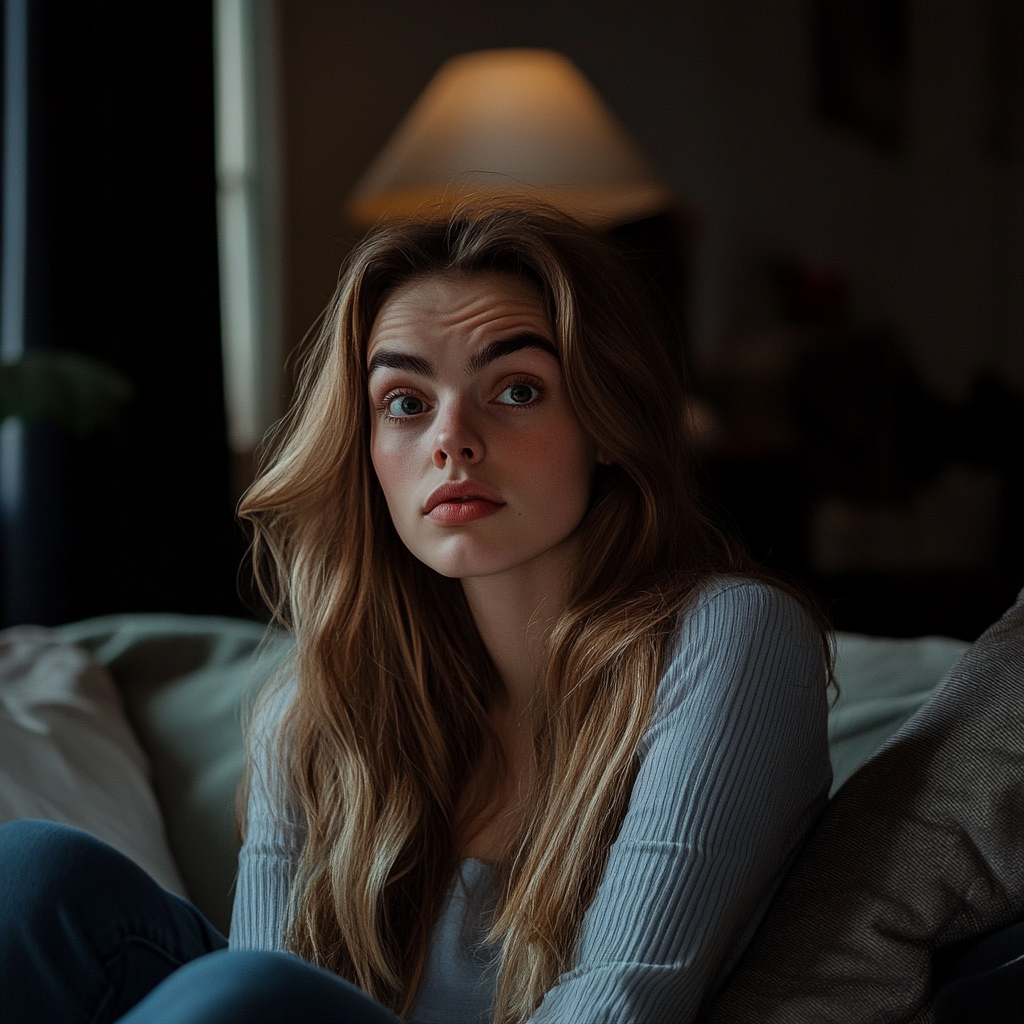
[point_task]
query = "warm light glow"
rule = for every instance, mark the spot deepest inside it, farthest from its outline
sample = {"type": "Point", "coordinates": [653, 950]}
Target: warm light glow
{"type": "Point", "coordinates": [506, 123]}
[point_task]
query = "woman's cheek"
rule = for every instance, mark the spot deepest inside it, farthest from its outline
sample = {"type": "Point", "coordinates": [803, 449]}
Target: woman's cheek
{"type": "Point", "coordinates": [390, 461]}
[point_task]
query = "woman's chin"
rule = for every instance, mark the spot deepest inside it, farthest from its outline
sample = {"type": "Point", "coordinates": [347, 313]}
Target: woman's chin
{"type": "Point", "coordinates": [470, 568]}
{"type": "Point", "coordinates": [476, 561]}
{"type": "Point", "coordinates": [467, 558]}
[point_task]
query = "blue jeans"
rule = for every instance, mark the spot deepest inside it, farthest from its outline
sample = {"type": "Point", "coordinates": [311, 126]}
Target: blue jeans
{"type": "Point", "coordinates": [87, 936]}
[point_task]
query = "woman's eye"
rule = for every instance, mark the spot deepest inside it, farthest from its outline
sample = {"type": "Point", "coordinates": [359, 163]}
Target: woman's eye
{"type": "Point", "coordinates": [402, 406]}
{"type": "Point", "coordinates": [519, 394]}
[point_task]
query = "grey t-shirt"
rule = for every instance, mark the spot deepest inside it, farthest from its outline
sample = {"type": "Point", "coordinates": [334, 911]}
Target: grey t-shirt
{"type": "Point", "coordinates": [733, 770]}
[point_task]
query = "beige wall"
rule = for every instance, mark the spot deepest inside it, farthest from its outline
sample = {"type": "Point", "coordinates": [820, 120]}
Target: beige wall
{"type": "Point", "coordinates": [720, 95]}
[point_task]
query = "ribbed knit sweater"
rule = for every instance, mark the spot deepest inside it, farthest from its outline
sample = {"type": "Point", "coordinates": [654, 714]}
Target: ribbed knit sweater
{"type": "Point", "coordinates": [733, 770]}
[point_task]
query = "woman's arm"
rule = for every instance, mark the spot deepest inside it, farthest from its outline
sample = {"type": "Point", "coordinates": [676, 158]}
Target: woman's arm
{"type": "Point", "coordinates": [270, 853]}
{"type": "Point", "coordinates": [733, 771]}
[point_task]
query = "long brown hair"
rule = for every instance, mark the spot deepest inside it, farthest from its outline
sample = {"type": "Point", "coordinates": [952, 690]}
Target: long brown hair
{"type": "Point", "coordinates": [394, 684]}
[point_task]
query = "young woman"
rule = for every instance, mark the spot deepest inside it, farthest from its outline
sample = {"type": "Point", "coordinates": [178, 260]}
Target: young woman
{"type": "Point", "coordinates": [547, 743]}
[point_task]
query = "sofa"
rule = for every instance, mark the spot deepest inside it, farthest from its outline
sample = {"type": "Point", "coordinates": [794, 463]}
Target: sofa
{"type": "Point", "coordinates": [131, 726]}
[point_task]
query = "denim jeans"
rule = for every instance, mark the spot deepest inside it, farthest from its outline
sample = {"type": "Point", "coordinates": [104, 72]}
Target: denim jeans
{"type": "Point", "coordinates": [87, 936]}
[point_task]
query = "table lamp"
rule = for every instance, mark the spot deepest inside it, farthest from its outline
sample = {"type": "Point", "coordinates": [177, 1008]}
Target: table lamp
{"type": "Point", "coordinates": [508, 124]}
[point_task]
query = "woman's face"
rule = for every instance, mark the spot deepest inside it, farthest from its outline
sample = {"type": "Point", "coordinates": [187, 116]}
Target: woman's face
{"type": "Point", "coordinates": [482, 461]}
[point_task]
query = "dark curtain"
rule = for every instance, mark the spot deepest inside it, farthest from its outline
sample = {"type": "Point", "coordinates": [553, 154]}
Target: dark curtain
{"type": "Point", "coordinates": [121, 264]}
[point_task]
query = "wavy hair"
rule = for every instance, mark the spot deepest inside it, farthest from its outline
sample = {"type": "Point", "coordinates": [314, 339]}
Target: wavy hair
{"type": "Point", "coordinates": [394, 685]}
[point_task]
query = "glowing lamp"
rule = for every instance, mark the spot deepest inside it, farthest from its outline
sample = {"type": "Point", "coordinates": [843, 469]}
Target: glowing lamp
{"type": "Point", "coordinates": [507, 124]}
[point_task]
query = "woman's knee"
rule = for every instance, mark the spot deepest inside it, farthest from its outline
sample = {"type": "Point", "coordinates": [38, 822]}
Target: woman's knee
{"type": "Point", "coordinates": [83, 929]}
{"type": "Point", "coordinates": [42, 854]}
{"type": "Point", "coordinates": [51, 869]}
{"type": "Point", "coordinates": [253, 986]}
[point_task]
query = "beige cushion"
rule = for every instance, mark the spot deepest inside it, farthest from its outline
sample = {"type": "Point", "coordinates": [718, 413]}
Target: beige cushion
{"type": "Point", "coordinates": [924, 846]}
{"type": "Point", "coordinates": [184, 680]}
{"type": "Point", "coordinates": [67, 752]}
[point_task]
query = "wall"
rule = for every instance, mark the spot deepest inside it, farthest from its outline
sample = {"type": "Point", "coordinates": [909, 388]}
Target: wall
{"type": "Point", "coordinates": [721, 96]}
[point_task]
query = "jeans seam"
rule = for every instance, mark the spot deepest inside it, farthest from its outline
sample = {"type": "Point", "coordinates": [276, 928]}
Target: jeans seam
{"type": "Point", "coordinates": [108, 963]}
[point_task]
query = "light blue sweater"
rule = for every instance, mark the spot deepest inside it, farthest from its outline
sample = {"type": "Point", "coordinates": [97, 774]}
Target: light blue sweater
{"type": "Point", "coordinates": [733, 770]}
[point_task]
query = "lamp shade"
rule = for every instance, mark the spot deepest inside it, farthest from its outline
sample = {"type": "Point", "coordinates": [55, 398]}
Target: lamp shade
{"type": "Point", "coordinates": [507, 124]}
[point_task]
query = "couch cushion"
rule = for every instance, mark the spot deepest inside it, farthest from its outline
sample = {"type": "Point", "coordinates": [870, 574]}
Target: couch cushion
{"type": "Point", "coordinates": [185, 681]}
{"type": "Point", "coordinates": [882, 682]}
{"type": "Point", "coordinates": [923, 847]}
{"type": "Point", "coordinates": [67, 752]}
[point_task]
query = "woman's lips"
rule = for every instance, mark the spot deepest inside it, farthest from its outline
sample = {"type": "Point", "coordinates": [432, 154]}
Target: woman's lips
{"type": "Point", "coordinates": [461, 501]}
{"type": "Point", "coordinates": [466, 510]}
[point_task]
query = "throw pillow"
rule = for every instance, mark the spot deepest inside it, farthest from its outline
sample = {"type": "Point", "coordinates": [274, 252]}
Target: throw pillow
{"type": "Point", "coordinates": [67, 752]}
{"type": "Point", "coordinates": [922, 848]}
{"type": "Point", "coordinates": [185, 681]}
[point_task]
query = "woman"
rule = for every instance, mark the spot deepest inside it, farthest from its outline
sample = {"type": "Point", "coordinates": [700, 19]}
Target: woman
{"type": "Point", "coordinates": [546, 745]}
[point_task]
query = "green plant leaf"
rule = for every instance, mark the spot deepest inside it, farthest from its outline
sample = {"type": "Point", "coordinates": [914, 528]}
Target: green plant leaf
{"type": "Point", "coordinates": [76, 391]}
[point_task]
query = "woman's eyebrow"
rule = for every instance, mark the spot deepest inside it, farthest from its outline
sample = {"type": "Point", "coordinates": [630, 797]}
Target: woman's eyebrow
{"type": "Point", "coordinates": [385, 358]}
{"type": "Point", "coordinates": [389, 359]}
{"type": "Point", "coordinates": [497, 349]}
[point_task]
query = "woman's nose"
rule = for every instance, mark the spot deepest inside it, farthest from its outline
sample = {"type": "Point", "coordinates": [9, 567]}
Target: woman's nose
{"type": "Point", "coordinates": [456, 438]}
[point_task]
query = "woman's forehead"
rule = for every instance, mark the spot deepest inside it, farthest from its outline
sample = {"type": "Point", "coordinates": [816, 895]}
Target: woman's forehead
{"type": "Point", "coordinates": [466, 302]}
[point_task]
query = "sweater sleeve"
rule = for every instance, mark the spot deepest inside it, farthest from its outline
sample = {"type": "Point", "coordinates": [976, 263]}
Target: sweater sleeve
{"type": "Point", "coordinates": [733, 771]}
{"type": "Point", "coordinates": [273, 841]}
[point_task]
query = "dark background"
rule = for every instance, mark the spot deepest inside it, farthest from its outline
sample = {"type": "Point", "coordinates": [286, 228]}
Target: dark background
{"type": "Point", "coordinates": [851, 211]}
{"type": "Point", "coordinates": [850, 238]}
{"type": "Point", "coordinates": [122, 265]}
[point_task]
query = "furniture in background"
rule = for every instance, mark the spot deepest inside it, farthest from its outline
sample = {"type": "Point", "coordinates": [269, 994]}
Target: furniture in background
{"type": "Point", "coordinates": [842, 468]}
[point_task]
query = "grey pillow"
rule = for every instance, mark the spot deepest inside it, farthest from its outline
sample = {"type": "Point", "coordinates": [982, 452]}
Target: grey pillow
{"type": "Point", "coordinates": [923, 847]}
